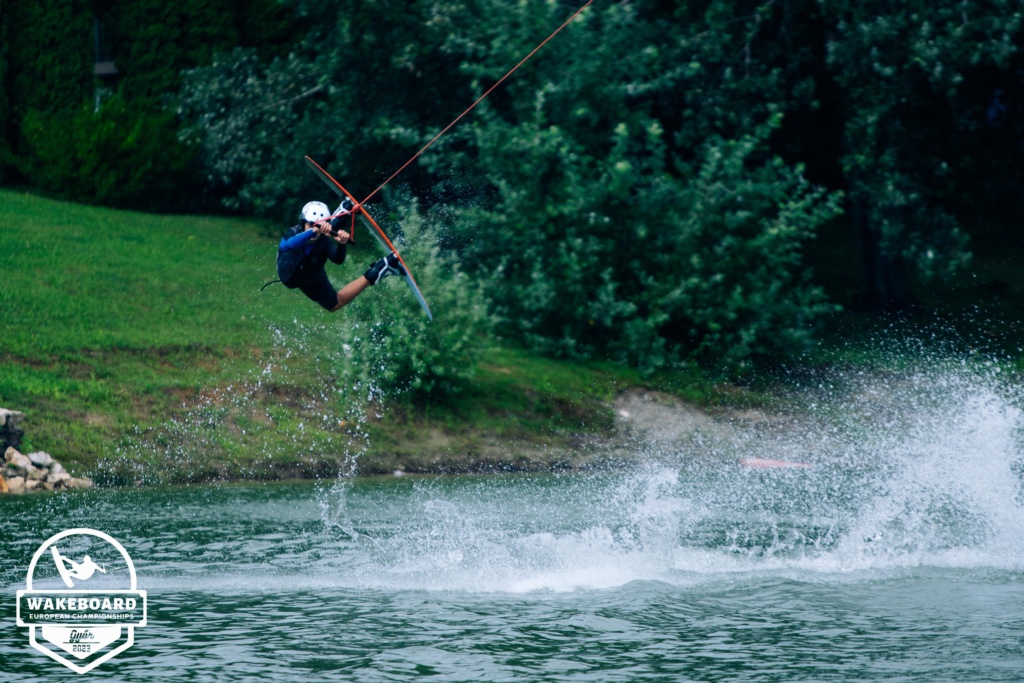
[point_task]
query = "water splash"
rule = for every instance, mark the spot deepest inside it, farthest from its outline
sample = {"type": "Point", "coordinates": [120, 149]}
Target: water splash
{"type": "Point", "coordinates": [325, 420]}
{"type": "Point", "coordinates": [951, 492]}
{"type": "Point", "coordinates": [910, 470]}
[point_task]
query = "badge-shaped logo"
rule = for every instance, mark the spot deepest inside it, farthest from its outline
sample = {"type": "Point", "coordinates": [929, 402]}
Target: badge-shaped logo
{"type": "Point", "coordinates": [81, 594]}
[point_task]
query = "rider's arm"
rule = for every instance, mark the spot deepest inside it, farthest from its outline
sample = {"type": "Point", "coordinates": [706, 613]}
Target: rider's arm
{"type": "Point", "coordinates": [338, 255]}
{"type": "Point", "coordinates": [297, 241]}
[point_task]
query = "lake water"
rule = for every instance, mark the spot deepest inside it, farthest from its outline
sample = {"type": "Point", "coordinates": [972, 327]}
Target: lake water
{"type": "Point", "coordinates": [898, 555]}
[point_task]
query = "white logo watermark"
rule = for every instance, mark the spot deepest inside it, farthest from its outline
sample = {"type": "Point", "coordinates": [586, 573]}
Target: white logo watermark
{"type": "Point", "coordinates": [87, 618]}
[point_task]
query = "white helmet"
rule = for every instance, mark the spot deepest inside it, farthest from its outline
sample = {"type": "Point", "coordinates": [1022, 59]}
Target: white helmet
{"type": "Point", "coordinates": [314, 211]}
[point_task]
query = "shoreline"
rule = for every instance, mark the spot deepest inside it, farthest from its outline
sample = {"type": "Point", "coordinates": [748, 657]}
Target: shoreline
{"type": "Point", "coordinates": [647, 425]}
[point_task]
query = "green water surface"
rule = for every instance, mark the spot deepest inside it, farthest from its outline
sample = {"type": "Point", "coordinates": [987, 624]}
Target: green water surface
{"type": "Point", "coordinates": [664, 574]}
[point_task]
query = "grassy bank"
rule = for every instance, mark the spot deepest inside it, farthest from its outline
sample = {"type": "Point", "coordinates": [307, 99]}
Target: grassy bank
{"type": "Point", "coordinates": [140, 347]}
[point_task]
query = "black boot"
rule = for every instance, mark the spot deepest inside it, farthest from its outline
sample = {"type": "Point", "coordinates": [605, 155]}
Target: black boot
{"type": "Point", "coordinates": [382, 267]}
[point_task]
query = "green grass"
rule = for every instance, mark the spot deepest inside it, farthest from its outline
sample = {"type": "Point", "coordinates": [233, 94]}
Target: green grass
{"type": "Point", "coordinates": [141, 349]}
{"type": "Point", "coordinates": [113, 320]}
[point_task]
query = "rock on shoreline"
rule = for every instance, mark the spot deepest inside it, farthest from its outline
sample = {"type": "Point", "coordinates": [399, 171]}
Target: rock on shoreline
{"type": "Point", "coordinates": [36, 472]}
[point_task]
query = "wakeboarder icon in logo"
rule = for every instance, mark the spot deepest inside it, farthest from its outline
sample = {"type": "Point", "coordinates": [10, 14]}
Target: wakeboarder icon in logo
{"type": "Point", "coordinates": [85, 623]}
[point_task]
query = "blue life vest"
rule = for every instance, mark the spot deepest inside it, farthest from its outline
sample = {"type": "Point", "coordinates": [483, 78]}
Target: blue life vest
{"type": "Point", "coordinates": [299, 255]}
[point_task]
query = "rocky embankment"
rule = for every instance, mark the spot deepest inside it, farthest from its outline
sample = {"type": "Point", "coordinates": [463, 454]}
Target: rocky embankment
{"type": "Point", "coordinates": [33, 472]}
{"type": "Point", "coordinates": [36, 471]}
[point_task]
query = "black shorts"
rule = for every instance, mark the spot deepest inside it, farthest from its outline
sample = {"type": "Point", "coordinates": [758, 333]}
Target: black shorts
{"type": "Point", "coordinates": [318, 288]}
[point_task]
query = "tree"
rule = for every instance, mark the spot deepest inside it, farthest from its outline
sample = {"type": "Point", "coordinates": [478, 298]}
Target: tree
{"type": "Point", "coordinates": [153, 41]}
{"type": "Point", "coordinates": [114, 155]}
{"type": "Point", "coordinates": [351, 95]}
{"type": "Point", "coordinates": [654, 225]}
{"type": "Point", "coordinates": [6, 156]}
{"type": "Point", "coordinates": [49, 46]}
{"type": "Point", "coordinates": [901, 69]}
{"type": "Point", "coordinates": [60, 123]}
{"type": "Point", "coordinates": [582, 186]}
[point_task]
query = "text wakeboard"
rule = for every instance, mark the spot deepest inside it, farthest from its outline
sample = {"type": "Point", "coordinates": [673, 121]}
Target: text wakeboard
{"type": "Point", "coordinates": [373, 229]}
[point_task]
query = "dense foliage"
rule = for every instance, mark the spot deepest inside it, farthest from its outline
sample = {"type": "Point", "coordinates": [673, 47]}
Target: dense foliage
{"type": "Point", "coordinates": [643, 189]}
{"type": "Point", "coordinates": [903, 73]}
{"type": "Point", "coordinates": [622, 206]}
{"type": "Point", "coordinates": [6, 156]}
{"type": "Point", "coordinates": [48, 56]}
{"type": "Point", "coordinates": [154, 170]}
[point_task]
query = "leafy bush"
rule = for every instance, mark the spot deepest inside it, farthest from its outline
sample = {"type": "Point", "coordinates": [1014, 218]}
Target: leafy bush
{"type": "Point", "coordinates": [728, 280]}
{"type": "Point", "coordinates": [619, 258]}
{"type": "Point", "coordinates": [120, 155]}
{"type": "Point", "coordinates": [394, 348]}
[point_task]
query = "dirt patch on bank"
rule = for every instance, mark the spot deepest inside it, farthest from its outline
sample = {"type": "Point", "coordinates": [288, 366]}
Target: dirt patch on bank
{"type": "Point", "coordinates": [648, 425]}
{"type": "Point", "coordinates": [652, 424]}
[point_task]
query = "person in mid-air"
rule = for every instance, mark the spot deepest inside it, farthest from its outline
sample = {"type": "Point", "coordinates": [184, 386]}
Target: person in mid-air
{"type": "Point", "coordinates": [319, 237]}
